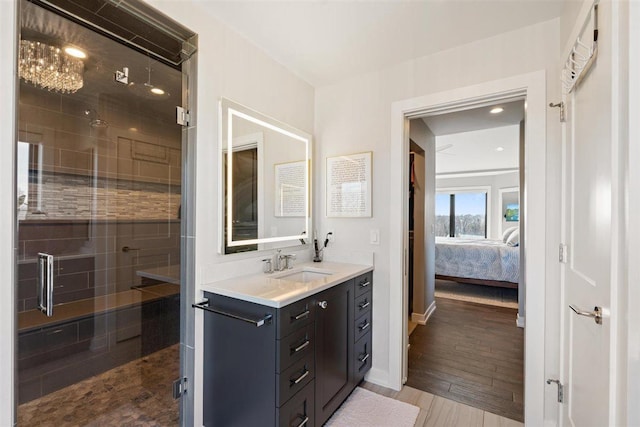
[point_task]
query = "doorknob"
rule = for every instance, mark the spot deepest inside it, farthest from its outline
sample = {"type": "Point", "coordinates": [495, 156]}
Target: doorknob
{"type": "Point", "coordinates": [596, 313]}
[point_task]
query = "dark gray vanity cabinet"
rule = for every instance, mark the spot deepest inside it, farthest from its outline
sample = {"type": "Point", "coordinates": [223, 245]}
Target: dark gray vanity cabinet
{"type": "Point", "coordinates": [334, 345]}
{"type": "Point", "coordinates": [286, 367]}
{"type": "Point", "coordinates": [362, 325]}
{"type": "Point", "coordinates": [239, 364]}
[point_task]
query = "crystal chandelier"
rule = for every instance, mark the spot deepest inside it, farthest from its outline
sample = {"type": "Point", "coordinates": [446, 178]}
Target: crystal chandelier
{"type": "Point", "coordinates": [49, 67]}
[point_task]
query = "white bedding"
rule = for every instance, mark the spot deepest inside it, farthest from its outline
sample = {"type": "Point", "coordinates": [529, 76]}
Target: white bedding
{"type": "Point", "coordinates": [477, 259]}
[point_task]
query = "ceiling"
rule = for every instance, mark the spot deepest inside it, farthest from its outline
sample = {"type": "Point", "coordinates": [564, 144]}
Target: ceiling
{"type": "Point", "coordinates": [476, 119]}
{"type": "Point", "coordinates": [326, 41]}
{"type": "Point", "coordinates": [105, 56]}
{"type": "Point", "coordinates": [467, 141]}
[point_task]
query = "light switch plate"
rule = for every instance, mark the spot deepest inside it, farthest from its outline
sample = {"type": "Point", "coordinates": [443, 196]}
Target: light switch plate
{"type": "Point", "coordinates": [374, 237]}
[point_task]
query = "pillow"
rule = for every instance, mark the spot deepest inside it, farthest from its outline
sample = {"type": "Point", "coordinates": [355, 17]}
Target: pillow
{"type": "Point", "coordinates": [514, 239]}
{"type": "Point", "coordinates": [507, 233]}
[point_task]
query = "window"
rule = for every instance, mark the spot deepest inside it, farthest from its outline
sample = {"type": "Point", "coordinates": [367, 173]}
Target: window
{"type": "Point", "coordinates": [461, 213]}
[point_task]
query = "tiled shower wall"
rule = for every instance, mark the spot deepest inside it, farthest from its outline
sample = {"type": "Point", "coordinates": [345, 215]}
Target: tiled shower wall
{"type": "Point", "coordinates": [89, 260]}
{"type": "Point", "coordinates": [65, 196]}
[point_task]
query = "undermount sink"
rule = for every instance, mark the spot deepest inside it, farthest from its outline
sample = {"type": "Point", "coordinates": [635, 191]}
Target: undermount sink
{"type": "Point", "coordinates": [304, 276]}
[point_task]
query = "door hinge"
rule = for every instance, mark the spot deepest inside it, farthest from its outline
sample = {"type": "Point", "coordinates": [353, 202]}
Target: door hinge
{"type": "Point", "coordinates": [563, 117]}
{"type": "Point", "coordinates": [560, 389]}
{"type": "Point", "coordinates": [182, 116]}
{"type": "Point", "coordinates": [179, 387]}
{"type": "Point", "coordinates": [563, 253]}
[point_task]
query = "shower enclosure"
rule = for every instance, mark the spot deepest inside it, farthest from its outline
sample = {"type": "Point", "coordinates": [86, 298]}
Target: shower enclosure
{"type": "Point", "coordinates": [98, 187]}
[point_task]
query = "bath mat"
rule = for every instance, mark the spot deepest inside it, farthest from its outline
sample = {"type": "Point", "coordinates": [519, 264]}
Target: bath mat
{"type": "Point", "coordinates": [365, 408]}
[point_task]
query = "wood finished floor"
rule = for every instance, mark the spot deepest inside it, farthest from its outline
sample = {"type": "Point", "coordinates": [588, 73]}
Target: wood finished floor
{"type": "Point", "coordinates": [473, 354]}
{"type": "Point", "coordinates": [436, 411]}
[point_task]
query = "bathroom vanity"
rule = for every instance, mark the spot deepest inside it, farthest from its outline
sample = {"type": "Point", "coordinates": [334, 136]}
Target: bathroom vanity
{"type": "Point", "coordinates": [286, 349]}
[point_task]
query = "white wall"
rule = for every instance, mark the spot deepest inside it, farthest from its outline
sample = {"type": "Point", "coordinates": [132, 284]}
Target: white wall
{"type": "Point", "coordinates": [632, 188]}
{"type": "Point", "coordinates": [422, 135]}
{"type": "Point", "coordinates": [496, 182]}
{"type": "Point", "coordinates": [354, 116]}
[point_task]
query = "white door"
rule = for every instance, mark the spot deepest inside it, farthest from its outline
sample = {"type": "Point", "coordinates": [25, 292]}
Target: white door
{"type": "Point", "coordinates": [589, 230]}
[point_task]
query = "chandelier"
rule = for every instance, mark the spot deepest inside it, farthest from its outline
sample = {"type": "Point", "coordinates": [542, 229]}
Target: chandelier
{"type": "Point", "coordinates": [49, 67]}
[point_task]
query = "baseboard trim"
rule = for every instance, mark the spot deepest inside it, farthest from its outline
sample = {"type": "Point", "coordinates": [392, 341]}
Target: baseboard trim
{"type": "Point", "coordinates": [422, 319]}
{"type": "Point", "coordinates": [378, 377]}
{"type": "Point", "coordinates": [520, 321]}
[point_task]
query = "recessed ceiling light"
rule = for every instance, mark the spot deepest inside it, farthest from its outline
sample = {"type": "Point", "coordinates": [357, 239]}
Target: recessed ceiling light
{"type": "Point", "coordinates": [133, 129]}
{"type": "Point", "coordinates": [157, 91]}
{"type": "Point", "coordinates": [75, 52]}
{"type": "Point", "coordinates": [496, 110]}
{"type": "Point", "coordinates": [500, 149]}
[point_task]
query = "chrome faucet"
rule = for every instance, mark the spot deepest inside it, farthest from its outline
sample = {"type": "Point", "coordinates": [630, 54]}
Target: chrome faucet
{"type": "Point", "coordinates": [283, 261]}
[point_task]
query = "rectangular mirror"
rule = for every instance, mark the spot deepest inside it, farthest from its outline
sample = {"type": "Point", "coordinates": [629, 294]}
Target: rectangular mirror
{"type": "Point", "coordinates": [266, 190]}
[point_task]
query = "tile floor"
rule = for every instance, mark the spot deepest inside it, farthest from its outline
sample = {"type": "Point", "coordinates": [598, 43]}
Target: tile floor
{"type": "Point", "coordinates": [436, 411]}
{"type": "Point", "coordinates": [135, 394]}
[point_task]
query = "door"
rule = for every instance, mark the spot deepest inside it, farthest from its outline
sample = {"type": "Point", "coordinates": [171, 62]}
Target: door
{"type": "Point", "coordinates": [98, 186]}
{"type": "Point", "coordinates": [334, 338]}
{"type": "Point", "coordinates": [589, 219]}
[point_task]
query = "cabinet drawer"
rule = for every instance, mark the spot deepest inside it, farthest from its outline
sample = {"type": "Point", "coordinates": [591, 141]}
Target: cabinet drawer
{"type": "Point", "coordinates": [299, 410]}
{"type": "Point", "coordinates": [364, 282]}
{"type": "Point", "coordinates": [362, 357]}
{"type": "Point", "coordinates": [362, 304]}
{"type": "Point", "coordinates": [294, 378]}
{"type": "Point", "coordinates": [295, 316]}
{"type": "Point", "coordinates": [295, 346]}
{"type": "Point", "coordinates": [362, 326]}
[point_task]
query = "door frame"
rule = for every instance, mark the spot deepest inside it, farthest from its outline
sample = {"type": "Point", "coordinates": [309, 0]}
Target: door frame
{"type": "Point", "coordinates": [532, 87]}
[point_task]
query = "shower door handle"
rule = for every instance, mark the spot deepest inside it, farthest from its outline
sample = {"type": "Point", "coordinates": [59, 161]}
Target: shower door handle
{"type": "Point", "coordinates": [45, 283]}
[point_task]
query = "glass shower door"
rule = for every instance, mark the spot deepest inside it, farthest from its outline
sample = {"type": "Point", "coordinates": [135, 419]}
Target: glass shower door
{"type": "Point", "coordinates": [98, 188]}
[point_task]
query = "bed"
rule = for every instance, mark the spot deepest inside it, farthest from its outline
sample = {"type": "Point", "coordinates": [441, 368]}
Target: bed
{"type": "Point", "coordinates": [477, 261]}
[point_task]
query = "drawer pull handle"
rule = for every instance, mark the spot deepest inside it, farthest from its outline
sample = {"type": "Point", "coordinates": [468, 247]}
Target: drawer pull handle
{"type": "Point", "coordinates": [300, 347]}
{"type": "Point", "coordinates": [364, 305]}
{"type": "Point", "coordinates": [364, 325]}
{"type": "Point", "coordinates": [365, 284]}
{"type": "Point", "coordinates": [301, 377]}
{"type": "Point", "coordinates": [304, 422]}
{"type": "Point", "coordinates": [363, 358]}
{"type": "Point", "coordinates": [301, 315]}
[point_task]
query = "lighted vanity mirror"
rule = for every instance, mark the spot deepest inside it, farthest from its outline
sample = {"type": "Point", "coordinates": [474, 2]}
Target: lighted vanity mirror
{"type": "Point", "coordinates": [265, 189]}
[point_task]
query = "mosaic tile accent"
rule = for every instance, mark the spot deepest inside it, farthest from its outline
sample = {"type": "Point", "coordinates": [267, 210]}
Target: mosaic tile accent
{"type": "Point", "coordinates": [135, 394]}
{"type": "Point", "coordinates": [84, 197]}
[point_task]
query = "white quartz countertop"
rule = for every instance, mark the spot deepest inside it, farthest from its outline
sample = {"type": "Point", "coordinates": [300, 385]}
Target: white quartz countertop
{"type": "Point", "coordinates": [273, 291]}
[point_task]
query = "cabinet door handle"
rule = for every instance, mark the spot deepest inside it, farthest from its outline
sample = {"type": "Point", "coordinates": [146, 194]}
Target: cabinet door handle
{"type": "Point", "coordinates": [323, 304]}
{"type": "Point", "coordinates": [363, 358]}
{"type": "Point", "coordinates": [304, 422]}
{"type": "Point", "coordinates": [365, 284]}
{"type": "Point", "coordinates": [300, 347]}
{"type": "Point", "coordinates": [301, 377]}
{"type": "Point", "coordinates": [364, 304]}
{"type": "Point", "coordinates": [301, 315]}
{"type": "Point", "coordinates": [364, 325]}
